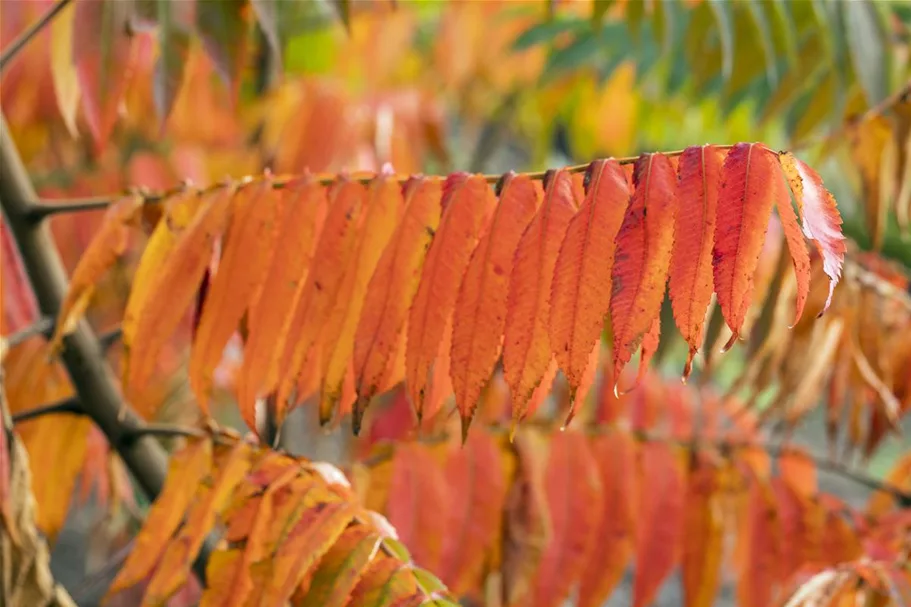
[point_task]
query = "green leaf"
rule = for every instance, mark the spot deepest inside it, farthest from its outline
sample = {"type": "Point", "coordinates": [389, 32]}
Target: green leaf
{"type": "Point", "coordinates": [223, 27]}
{"type": "Point", "coordinates": [546, 31]}
{"type": "Point", "coordinates": [397, 549]}
{"type": "Point", "coordinates": [867, 38]}
{"type": "Point", "coordinates": [599, 9]}
{"type": "Point", "coordinates": [763, 28]}
{"type": "Point", "coordinates": [174, 48]}
{"type": "Point", "coordinates": [784, 32]}
{"type": "Point", "coordinates": [722, 12]}
{"type": "Point", "coordinates": [428, 582]}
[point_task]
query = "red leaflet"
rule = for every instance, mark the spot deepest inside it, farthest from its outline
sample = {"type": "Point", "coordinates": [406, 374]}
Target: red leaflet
{"type": "Point", "coordinates": [797, 247]}
{"type": "Point", "coordinates": [418, 503]}
{"type": "Point", "coordinates": [391, 289]}
{"type": "Point", "coordinates": [479, 316]}
{"type": "Point", "coordinates": [581, 290]}
{"type": "Point", "coordinates": [703, 530]}
{"type": "Point", "coordinates": [304, 212]}
{"type": "Point", "coordinates": [659, 530]}
{"type": "Point", "coordinates": [643, 255]}
{"type": "Point", "coordinates": [690, 280]}
{"type": "Point", "coordinates": [103, 54]}
{"type": "Point", "coordinates": [241, 271]}
{"type": "Point", "coordinates": [526, 348]}
{"type": "Point", "coordinates": [478, 491]}
{"type": "Point", "coordinates": [320, 293]}
{"type": "Point", "coordinates": [615, 453]}
{"type": "Point", "coordinates": [574, 497]}
{"type": "Point", "coordinates": [744, 207]}
{"type": "Point", "coordinates": [801, 527]}
{"type": "Point", "coordinates": [467, 200]}
{"type": "Point", "coordinates": [820, 216]}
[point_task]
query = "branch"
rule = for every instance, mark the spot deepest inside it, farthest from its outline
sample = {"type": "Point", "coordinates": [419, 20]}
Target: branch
{"type": "Point", "coordinates": [68, 405]}
{"type": "Point", "coordinates": [10, 52]}
{"type": "Point", "coordinates": [82, 355]}
{"type": "Point", "coordinates": [43, 326]}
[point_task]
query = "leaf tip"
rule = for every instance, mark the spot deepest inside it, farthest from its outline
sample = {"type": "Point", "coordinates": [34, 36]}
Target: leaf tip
{"type": "Point", "coordinates": [730, 343]}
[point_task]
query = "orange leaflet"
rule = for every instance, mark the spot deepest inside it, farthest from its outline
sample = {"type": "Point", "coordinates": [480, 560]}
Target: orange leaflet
{"type": "Point", "coordinates": [240, 274]}
{"type": "Point", "coordinates": [223, 568]}
{"type": "Point", "coordinates": [659, 530]}
{"type": "Point", "coordinates": [703, 530]}
{"type": "Point", "coordinates": [526, 347]}
{"type": "Point", "coordinates": [107, 245]}
{"type": "Point", "coordinates": [800, 256]}
{"type": "Point", "coordinates": [467, 202]}
{"type": "Point", "coordinates": [801, 523]}
{"type": "Point", "coordinates": [475, 474]}
{"type": "Point", "coordinates": [744, 207]}
{"type": "Point", "coordinates": [615, 453]}
{"type": "Point", "coordinates": [798, 470]}
{"type": "Point", "coordinates": [643, 255]}
{"type": "Point", "coordinates": [341, 568]}
{"type": "Point", "coordinates": [690, 278]}
{"type": "Point", "coordinates": [439, 387]}
{"type": "Point", "coordinates": [187, 469]}
{"type": "Point", "coordinates": [820, 216]}
{"type": "Point", "coordinates": [383, 214]}
{"type": "Point", "coordinates": [103, 53]}
{"type": "Point", "coordinates": [179, 277]}
{"type": "Point", "coordinates": [581, 290]}
{"type": "Point", "coordinates": [760, 540]}
{"type": "Point", "coordinates": [305, 545]}
{"type": "Point", "coordinates": [334, 251]}
{"type": "Point", "coordinates": [385, 583]}
{"type": "Point", "coordinates": [479, 318]}
{"type": "Point", "coordinates": [418, 502]}
{"type": "Point", "coordinates": [211, 498]}
{"type": "Point", "coordinates": [574, 496]}
{"type": "Point", "coordinates": [179, 212]}
{"type": "Point", "coordinates": [391, 289]}
{"type": "Point", "coordinates": [304, 212]}
{"type": "Point", "coordinates": [881, 502]}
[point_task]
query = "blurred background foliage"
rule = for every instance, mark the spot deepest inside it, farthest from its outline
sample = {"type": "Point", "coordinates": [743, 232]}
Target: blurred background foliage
{"type": "Point", "coordinates": [237, 86]}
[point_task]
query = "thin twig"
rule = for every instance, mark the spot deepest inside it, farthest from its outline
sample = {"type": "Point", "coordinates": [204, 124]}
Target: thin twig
{"type": "Point", "coordinates": [46, 208]}
{"type": "Point", "coordinates": [43, 326]}
{"type": "Point", "coordinates": [11, 51]}
{"type": "Point", "coordinates": [106, 340]}
{"type": "Point", "coordinates": [69, 406]}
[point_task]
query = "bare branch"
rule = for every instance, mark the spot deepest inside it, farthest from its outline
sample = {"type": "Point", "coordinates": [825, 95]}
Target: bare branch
{"type": "Point", "coordinates": [68, 405]}
{"type": "Point", "coordinates": [10, 52]}
{"type": "Point", "coordinates": [43, 326]}
{"type": "Point", "coordinates": [82, 355]}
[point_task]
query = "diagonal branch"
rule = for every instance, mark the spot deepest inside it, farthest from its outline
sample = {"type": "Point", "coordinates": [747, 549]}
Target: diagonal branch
{"type": "Point", "coordinates": [82, 355]}
{"type": "Point", "coordinates": [68, 405]}
{"type": "Point", "coordinates": [10, 52]}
